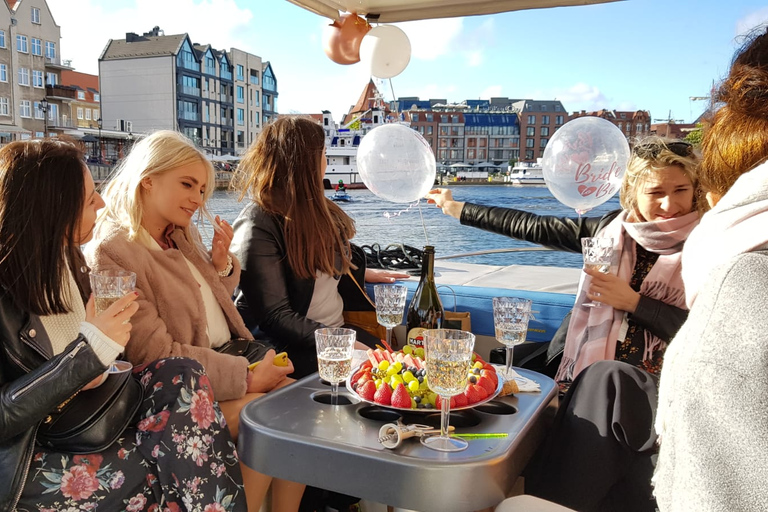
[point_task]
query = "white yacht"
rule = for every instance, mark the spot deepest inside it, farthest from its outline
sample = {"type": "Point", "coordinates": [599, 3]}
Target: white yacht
{"type": "Point", "coordinates": [524, 173]}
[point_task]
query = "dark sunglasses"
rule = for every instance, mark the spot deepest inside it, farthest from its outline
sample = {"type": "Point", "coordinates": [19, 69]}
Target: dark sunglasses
{"type": "Point", "coordinates": [652, 150]}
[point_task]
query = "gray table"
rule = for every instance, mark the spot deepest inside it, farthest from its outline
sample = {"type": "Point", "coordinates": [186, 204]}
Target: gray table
{"type": "Point", "coordinates": [289, 434]}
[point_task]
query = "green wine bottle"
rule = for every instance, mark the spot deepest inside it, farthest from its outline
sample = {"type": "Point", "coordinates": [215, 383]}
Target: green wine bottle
{"type": "Point", "coordinates": [425, 310]}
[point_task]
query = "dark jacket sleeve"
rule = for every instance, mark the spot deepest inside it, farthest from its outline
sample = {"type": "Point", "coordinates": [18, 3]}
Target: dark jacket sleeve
{"type": "Point", "coordinates": [560, 233]}
{"type": "Point", "coordinates": [29, 398]}
{"type": "Point", "coordinates": [661, 319]}
{"type": "Point", "coordinates": [265, 281]}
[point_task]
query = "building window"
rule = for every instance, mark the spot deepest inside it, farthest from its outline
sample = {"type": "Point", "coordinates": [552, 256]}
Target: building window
{"type": "Point", "coordinates": [3, 72]}
{"type": "Point", "coordinates": [544, 119]}
{"type": "Point", "coordinates": [240, 72]}
{"type": "Point", "coordinates": [186, 58]}
{"type": "Point", "coordinates": [4, 111]}
{"type": "Point", "coordinates": [190, 85]}
{"type": "Point", "coordinates": [454, 119]}
{"type": "Point", "coordinates": [210, 65]}
{"type": "Point", "coordinates": [415, 118]}
{"type": "Point", "coordinates": [51, 79]}
{"type": "Point", "coordinates": [545, 131]}
{"type": "Point", "coordinates": [25, 108]}
{"type": "Point", "coordinates": [240, 94]}
{"type": "Point", "coordinates": [558, 120]}
{"type": "Point", "coordinates": [254, 77]}
{"type": "Point", "coordinates": [23, 76]}
{"type": "Point", "coordinates": [39, 114]}
{"type": "Point", "coordinates": [639, 128]}
{"type": "Point", "coordinates": [35, 15]}
{"type": "Point", "coordinates": [240, 116]}
{"type": "Point", "coordinates": [529, 143]}
{"type": "Point", "coordinates": [50, 50]}
{"type": "Point", "coordinates": [226, 73]}
{"type": "Point", "coordinates": [623, 115]}
{"type": "Point", "coordinates": [87, 114]}
{"type": "Point", "coordinates": [621, 125]}
{"type": "Point", "coordinates": [543, 108]}
{"type": "Point", "coordinates": [37, 79]}
{"type": "Point", "coordinates": [79, 112]}
{"type": "Point", "coordinates": [97, 97]}
{"type": "Point", "coordinates": [543, 143]}
{"type": "Point", "coordinates": [81, 95]}
{"type": "Point", "coordinates": [2, 38]}
{"type": "Point", "coordinates": [530, 131]}
{"type": "Point", "coordinates": [557, 107]}
{"type": "Point", "coordinates": [37, 46]}
{"type": "Point", "coordinates": [96, 114]}
{"type": "Point", "coordinates": [429, 130]}
{"type": "Point", "coordinates": [531, 119]}
{"type": "Point", "coordinates": [429, 118]}
{"type": "Point", "coordinates": [21, 44]}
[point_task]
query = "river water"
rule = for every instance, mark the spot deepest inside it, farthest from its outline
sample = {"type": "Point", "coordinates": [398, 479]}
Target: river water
{"type": "Point", "coordinates": [444, 232]}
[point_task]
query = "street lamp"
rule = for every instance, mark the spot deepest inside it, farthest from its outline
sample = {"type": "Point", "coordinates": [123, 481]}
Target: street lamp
{"type": "Point", "coordinates": [99, 123]}
{"type": "Point", "coordinates": [44, 108]}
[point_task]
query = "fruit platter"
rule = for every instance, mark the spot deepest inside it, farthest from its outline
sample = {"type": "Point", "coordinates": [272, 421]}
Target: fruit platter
{"type": "Point", "coordinates": [398, 380]}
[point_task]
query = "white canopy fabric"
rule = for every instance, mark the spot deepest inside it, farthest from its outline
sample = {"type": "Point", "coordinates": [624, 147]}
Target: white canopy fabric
{"type": "Point", "coordinates": [390, 11]}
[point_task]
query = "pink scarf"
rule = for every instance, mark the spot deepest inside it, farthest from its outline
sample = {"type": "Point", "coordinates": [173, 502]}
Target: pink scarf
{"type": "Point", "coordinates": [594, 332]}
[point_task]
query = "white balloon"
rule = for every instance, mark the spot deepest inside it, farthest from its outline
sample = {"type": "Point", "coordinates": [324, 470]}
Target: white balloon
{"type": "Point", "coordinates": [585, 162]}
{"type": "Point", "coordinates": [386, 50]}
{"type": "Point", "coordinates": [396, 163]}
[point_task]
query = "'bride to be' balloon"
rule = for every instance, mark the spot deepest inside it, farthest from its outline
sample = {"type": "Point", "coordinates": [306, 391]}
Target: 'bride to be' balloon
{"type": "Point", "coordinates": [584, 162]}
{"type": "Point", "coordinates": [396, 163]}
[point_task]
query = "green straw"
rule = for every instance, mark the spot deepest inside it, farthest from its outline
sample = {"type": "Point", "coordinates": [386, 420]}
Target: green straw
{"type": "Point", "coordinates": [480, 436]}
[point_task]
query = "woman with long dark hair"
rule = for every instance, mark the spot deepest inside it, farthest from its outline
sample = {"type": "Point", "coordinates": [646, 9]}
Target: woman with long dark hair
{"type": "Point", "coordinates": [53, 346]}
{"type": "Point", "coordinates": [300, 271]}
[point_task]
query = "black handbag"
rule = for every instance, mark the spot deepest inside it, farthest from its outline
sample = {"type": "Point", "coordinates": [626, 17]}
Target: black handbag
{"type": "Point", "coordinates": [91, 420]}
{"type": "Point", "coordinates": [252, 350]}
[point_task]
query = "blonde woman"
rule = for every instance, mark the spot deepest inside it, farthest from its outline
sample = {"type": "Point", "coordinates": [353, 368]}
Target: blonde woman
{"type": "Point", "coordinates": [185, 305]}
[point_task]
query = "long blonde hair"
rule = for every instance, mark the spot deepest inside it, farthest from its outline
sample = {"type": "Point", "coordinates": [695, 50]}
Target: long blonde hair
{"type": "Point", "coordinates": [281, 173]}
{"type": "Point", "coordinates": [156, 154]}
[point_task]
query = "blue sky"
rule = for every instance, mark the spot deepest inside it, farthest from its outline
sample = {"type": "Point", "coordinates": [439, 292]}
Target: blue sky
{"type": "Point", "coordinates": [634, 54]}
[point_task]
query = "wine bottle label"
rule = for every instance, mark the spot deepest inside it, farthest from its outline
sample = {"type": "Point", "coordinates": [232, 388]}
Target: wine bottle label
{"type": "Point", "coordinates": [415, 337]}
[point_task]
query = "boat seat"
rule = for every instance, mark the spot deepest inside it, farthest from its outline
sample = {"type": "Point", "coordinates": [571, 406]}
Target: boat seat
{"type": "Point", "coordinates": [527, 503]}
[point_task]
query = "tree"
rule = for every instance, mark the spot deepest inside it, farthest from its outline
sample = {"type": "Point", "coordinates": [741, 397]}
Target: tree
{"type": "Point", "coordinates": [694, 136]}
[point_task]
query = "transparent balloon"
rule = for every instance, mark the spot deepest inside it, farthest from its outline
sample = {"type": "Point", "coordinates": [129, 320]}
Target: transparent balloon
{"type": "Point", "coordinates": [386, 50]}
{"type": "Point", "coordinates": [585, 161]}
{"type": "Point", "coordinates": [396, 163]}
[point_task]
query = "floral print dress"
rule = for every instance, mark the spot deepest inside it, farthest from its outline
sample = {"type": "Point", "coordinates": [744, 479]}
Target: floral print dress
{"type": "Point", "coordinates": [177, 455]}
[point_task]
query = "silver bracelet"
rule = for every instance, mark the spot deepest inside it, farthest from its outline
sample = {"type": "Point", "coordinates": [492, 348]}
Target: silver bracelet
{"type": "Point", "coordinates": [228, 269]}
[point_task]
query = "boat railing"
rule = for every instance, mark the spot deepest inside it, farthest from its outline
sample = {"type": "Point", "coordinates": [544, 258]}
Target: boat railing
{"type": "Point", "coordinates": [492, 251]}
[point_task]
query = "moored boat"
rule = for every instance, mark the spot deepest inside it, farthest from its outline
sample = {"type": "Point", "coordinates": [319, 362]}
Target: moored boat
{"type": "Point", "coordinates": [527, 174]}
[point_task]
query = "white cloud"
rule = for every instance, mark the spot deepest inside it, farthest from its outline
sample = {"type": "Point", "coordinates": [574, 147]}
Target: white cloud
{"type": "Point", "coordinates": [751, 20]}
{"type": "Point", "coordinates": [580, 96]}
{"type": "Point", "coordinates": [494, 91]}
{"type": "Point", "coordinates": [84, 38]}
{"type": "Point", "coordinates": [474, 58]}
{"type": "Point", "coordinates": [431, 39]}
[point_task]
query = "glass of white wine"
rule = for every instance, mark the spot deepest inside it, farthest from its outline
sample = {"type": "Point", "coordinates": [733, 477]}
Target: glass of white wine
{"type": "Point", "coordinates": [510, 320]}
{"type": "Point", "coordinates": [598, 255]}
{"type": "Point", "coordinates": [390, 305]}
{"type": "Point", "coordinates": [448, 357]}
{"type": "Point", "coordinates": [334, 356]}
{"type": "Point", "coordinates": [110, 285]}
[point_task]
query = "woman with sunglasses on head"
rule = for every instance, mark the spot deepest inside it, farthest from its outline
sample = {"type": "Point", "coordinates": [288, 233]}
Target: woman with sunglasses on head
{"type": "Point", "coordinates": [186, 289]}
{"type": "Point", "coordinates": [174, 453]}
{"type": "Point", "coordinates": [613, 353]}
{"type": "Point", "coordinates": [712, 420]}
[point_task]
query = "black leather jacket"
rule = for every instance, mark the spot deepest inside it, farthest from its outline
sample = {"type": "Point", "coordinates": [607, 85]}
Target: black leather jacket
{"type": "Point", "coordinates": [271, 297]}
{"type": "Point", "coordinates": [32, 383]}
{"type": "Point", "coordinates": [565, 234]}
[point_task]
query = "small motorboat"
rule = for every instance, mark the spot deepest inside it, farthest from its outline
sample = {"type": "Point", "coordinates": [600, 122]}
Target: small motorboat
{"type": "Point", "coordinates": [341, 195]}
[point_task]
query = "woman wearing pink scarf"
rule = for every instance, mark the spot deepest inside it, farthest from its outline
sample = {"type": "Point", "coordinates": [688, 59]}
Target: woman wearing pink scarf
{"type": "Point", "coordinates": [599, 453]}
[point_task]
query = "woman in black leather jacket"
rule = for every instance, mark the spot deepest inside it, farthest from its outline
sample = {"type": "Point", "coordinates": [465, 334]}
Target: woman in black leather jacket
{"type": "Point", "coordinates": [600, 452]}
{"type": "Point", "coordinates": [53, 345]}
{"type": "Point", "coordinates": [299, 270]}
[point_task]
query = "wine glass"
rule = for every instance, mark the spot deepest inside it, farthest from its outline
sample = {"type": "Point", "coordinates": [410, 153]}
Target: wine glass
{"type": "Point", "coordinates": [510, 320]}
{"type": "Point", "coordinates": [111, 285]}
{"type": "Point", "coordinates": [448, 357]}
{"type": "Point", "coordinates": [334, 356]}
{"type": "Point", "coordinates": [390, 305]}
{"type": "Point", "coordinates": [598, 253]}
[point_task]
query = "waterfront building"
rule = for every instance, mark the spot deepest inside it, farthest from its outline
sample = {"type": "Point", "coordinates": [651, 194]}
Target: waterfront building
{"type": "Point", "coordinates": [539, 120]}
{"type": "Point", "coordinates": [634, 124]}
{"type": "Point", "coordinates": [84, 110]}
{"type": "Point", "coordinates": [672, 130]}
{"type": "Point", "coordinates": [218, 98]}
{"type": "Point", "coordinates": [30, 71]}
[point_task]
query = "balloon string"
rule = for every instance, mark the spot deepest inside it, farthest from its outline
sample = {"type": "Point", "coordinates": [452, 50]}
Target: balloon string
{"type": "Point", "coordinates": [400, 212]}
{"type": "Point", "coordinates": [423, 225]}
{"type": "Point", "coordinates": [394, 100]}
{"type": "Point", "coordinates": [421, 214]}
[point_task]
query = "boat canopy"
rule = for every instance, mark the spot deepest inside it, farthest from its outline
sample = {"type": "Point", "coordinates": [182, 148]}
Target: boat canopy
{"type": "Point", "coordinates": [389, 11]}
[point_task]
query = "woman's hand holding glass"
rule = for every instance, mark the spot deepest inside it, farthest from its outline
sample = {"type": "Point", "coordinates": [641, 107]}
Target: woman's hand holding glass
{"type": "Point", "coordinates": [598, 256]}
{"type": "Point", "coordinates": [222, 239]}
{"type": "Point", "coordinates": [115, 321]}
{"type": "Point", "coordinates": [613, 291]}
{"type": "Point", "coordinates": [267, 376]}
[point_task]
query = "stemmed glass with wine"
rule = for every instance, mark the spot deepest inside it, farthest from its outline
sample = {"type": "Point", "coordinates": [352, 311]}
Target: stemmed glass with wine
{"type": "Point", "coordinates": [390, 305]}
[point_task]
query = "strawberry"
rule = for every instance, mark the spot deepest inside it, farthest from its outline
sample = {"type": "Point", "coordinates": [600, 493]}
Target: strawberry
{"type": "Point", "coordinates": [365, 377]}
{"type": "Point", "coordinates": [491, 374]}
{"type": "Point", "coordinates": [487, 384]}
{"type": "Point", "coordinates": [367, 365]}
{"type": "Point", "coordinates": [400, 397]}
{"type": "Point", "coordinates": [460, 400]}
{"type": "Point", "coordinates": [439, 402]}
{"type": "Point", "coordinates": [367, 390]}
{"type": "Point", "coordinates": [383, 395]}
{"type": "Point", "coordinates": [488, 366]}
{"type": "Point", "coordinates": [474, 393]}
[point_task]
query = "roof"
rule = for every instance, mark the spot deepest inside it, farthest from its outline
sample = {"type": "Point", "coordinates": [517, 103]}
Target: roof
{"type": "Point", "coordinates": [143, 46]}
{"type": "Point", "coordinates": [388, 11]}
{"type": "Point", "coordinates": [368, 100]}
